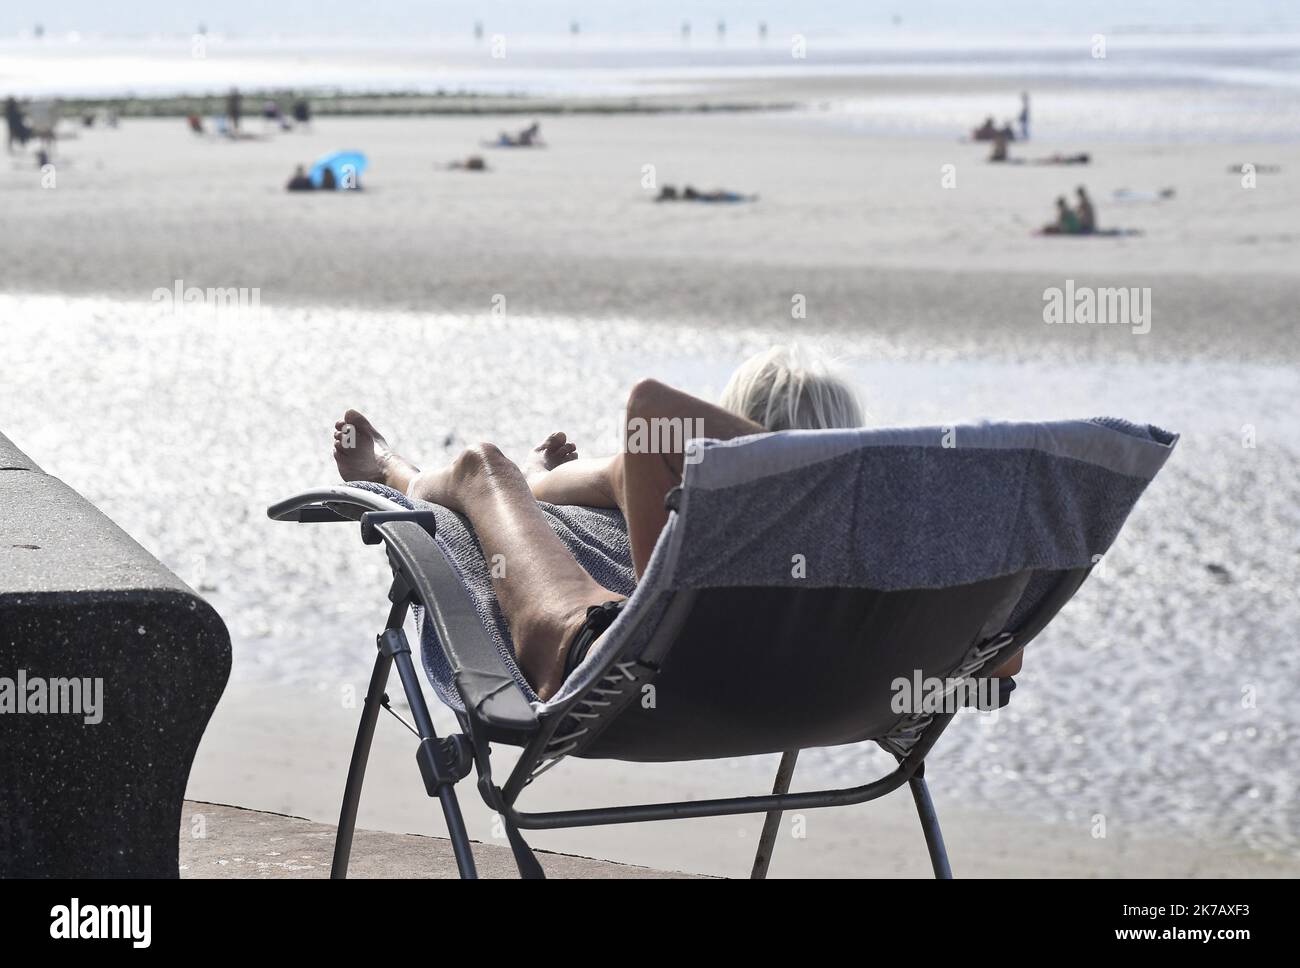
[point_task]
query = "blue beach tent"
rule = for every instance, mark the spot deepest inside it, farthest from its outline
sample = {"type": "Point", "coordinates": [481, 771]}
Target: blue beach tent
{"type": "Point", "coordinates": [346, 165]}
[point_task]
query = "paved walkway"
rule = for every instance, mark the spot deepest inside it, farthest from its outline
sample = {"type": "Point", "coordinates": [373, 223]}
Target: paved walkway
{"type": "Point", "coordinates": [231, 842]}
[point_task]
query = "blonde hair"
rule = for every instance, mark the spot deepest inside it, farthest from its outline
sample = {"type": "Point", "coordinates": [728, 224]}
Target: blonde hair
{"type": "Point", "coordinates": [789, 388]}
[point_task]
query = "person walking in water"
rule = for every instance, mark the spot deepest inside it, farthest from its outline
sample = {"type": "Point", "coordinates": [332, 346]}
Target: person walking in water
{"type": "Point", "coordinates": [1024, 115]}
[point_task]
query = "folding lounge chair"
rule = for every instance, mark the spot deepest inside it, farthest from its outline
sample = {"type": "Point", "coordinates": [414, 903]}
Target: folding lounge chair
{"type": "Point", "coordinates": [800, 574]}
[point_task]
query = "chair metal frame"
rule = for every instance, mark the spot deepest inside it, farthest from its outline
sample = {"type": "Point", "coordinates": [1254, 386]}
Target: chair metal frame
{"type": "Point", "coordinates": [422, 576]}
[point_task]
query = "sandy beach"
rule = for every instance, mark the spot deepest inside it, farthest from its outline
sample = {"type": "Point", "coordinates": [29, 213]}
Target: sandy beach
{"type": "Point", "coordinates": [183, 426]}
{"type": "Point", "coordinates": [861, 225]}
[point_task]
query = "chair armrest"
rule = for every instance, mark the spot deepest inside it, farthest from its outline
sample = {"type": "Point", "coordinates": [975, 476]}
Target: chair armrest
{"type": "Point", "coordinates": [485, 683]}
{"type": "Point", "coordinates": [344, 503]}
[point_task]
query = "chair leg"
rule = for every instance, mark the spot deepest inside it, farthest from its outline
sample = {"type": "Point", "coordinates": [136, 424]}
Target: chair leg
{"type": "Point", "coordinates": [530, 869]}
{"type": "Point", "coordinates": [772, 822]}
{"type": "Point", "coordinates": [930, 824]}
{"type": "Point", "coordinates": [526, 862]}
{"type": "Point", "coordinates": [460, 842]}
{"type": "Point", "coordinates": [440, 779]}
{"type": "Point", "coordinates": [357, 769]}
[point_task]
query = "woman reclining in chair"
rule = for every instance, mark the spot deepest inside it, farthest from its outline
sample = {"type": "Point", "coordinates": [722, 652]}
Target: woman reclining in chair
{"type": "Point", "coordinates": [554, 608]}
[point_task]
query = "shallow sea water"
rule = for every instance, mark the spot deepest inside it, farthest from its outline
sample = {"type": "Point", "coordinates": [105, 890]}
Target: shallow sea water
{"type": "Point", "coordinates": [1162, 697]}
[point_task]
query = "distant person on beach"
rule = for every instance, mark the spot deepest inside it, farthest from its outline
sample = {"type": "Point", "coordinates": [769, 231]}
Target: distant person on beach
{"type": "Point", "coordinates": [18, 130]}
{"type": "Point", "coordinates": [690, 194]}
{"type": "Point", "coordinates": [717, 195]}
{"type": "Point", "coordinates": [472, 163]}
{"type": "Point", "coordinates": [555, 610]}
{"type": "Point", "coordinates": [234, 108]}
{"type": "Point", "coordinates": [301, 181]}
{"type": "Point", "coordinates": [272, 115]}
{"type": "Point", "coordinates": [1085, 213]}
{"type": "Point", "coordinates": [1082, 158]}
{"type": "Point", "coordinates": [999, 152]}
{"type": "Point", "coordinates": [302, 111]}
{"type": "Point", "coordinates": [1024, 115]}
{"type": "Point", "coordinates": [1082, 219]}
{"type": "Point", "coordinates": [327, 180]}
{"type": "Point", "coordinates": [196, 123]}
{"type": "Point", "coordinates": [529, 137]}
{"type": "Point", "coordinates": [986, 131]}
{"type": "Point", "coordinates": [1067, 222]}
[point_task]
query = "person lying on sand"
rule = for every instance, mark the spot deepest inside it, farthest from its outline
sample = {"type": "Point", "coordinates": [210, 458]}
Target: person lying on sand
{"type": "Point", "coordinates": [300, 182]}
{"type": "Point", "coordinates": [717, 195]}
{"type": "Point", "coordinates": [472, 163]}
{"type": "Point", "coordinates": [529, 137]}
{"type": "Point", "coordinates": [554, 608]}
{"type": "Point", "coordinates": [689, 194]}
{"type": "Point", "coordinates": [1082, 158]}
{"type": "Point", "coordinates": [999, 154]}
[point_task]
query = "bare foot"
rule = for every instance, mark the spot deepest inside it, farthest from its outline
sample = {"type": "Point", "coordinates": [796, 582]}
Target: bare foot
{"type": "Point", "coordinates": [362, 454]}
{"type": "Point", "coordinates": [551, 453]}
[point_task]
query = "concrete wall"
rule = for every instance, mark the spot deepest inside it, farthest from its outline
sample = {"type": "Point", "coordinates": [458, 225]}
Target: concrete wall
{"type": "Point", "coordinates": [88, 791]}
